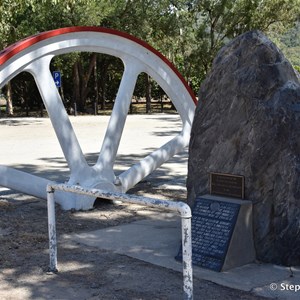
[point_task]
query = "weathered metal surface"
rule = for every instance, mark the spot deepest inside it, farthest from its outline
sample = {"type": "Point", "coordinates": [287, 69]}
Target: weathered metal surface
{"type": "Point", "coordinates": [180, 207]}
{"type": "Point", "coordinates": [187, 257]}
{"type": "Point", "coordinates": [34, 54]}
{"type": "Point", "coordinates": [52, 230]}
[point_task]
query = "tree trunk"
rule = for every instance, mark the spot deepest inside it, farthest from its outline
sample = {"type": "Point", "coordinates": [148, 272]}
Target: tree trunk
{"type": "Point", "coordinates": [96, 89]}
{"type": "Point", "coordinates": [9, 104]}
{"type": "Point", "coordinates": [62, 93]}
{"type": "Point", "coordinates": [103, 94]}
{"type": "Point", "coordinates": [104, 64]}
{"type": "Point", "coordinates": [76, 89]}
{"type": "Point", "coordinates": [148, 93]}
{"type": "Point", "coordinates": [85, 80]}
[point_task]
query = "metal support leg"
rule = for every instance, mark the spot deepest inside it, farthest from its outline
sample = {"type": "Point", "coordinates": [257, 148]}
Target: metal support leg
{"type": "Point", "coordinates": [179, 207]}
{"type": "Point", "coordinates": [52, 230]}
{"type": "Point", "coordinates": [187, 258]}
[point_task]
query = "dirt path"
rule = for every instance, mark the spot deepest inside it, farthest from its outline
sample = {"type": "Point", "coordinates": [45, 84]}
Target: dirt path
{"type": "Point", "coordinates": [84, 272]}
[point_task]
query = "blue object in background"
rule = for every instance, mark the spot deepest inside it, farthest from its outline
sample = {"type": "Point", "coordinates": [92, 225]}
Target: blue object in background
{"type": "Point", "coordinates": [57, 78]}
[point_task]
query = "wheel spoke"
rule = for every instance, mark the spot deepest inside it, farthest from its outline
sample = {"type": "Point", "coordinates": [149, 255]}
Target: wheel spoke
{"type": "Point", "coordinates": [151, 162]}
{"type": "Point", "coordinates": [34, 55]}
{"type": "Point", "coordinates": [23, 182]}
{"type": "Point", "coordinates": [57, 113]}
{"type": "Point", "coordinates": [118, 117]}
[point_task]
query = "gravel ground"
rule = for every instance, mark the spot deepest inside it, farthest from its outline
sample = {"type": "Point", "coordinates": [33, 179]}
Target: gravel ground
{"type": "Point", "coordinates": [86, 272]}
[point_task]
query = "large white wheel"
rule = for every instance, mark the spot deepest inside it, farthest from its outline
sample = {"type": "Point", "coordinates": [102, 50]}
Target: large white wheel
{"type": "Point", "coordinates": [34, 55]}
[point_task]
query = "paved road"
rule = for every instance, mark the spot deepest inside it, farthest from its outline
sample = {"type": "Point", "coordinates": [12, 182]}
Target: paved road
{"type": "Point", "coordinates": [30, 144]}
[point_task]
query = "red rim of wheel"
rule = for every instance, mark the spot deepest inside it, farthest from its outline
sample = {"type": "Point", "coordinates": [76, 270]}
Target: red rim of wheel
{"type": "Point", "coordinates": [16, 48]}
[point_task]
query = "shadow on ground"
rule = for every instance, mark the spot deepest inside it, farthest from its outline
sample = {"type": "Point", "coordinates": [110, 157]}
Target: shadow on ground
{"type": "Point", "coordinates": [84, 272]}
{"type": "Point", "coordinates": [57, 169]}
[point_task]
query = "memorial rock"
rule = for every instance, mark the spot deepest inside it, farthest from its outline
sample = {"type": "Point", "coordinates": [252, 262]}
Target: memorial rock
{"type": "Point", "coordinates": [247, 122]}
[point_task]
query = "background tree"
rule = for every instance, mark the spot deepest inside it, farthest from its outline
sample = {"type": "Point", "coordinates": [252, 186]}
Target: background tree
{"type": "Point", "coordinates": [13, 26]}
{"type": "Point", "coordinates": [188, 33]}
{"type": "Point", "coordinates": [215, 22]}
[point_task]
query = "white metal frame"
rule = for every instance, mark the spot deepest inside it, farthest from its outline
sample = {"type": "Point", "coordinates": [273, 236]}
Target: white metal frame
{"type": "Point", "coordinates": [182, 208]}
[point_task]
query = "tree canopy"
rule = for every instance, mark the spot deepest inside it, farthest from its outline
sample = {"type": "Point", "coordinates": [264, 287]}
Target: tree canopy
{"type": "Point", "coordinates": [188, 33]}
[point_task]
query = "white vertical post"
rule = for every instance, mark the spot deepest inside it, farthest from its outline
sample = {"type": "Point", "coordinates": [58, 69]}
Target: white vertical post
{"type": "Point", "coordinates": [187, 258]}
{"type": "Point", "coordinates": [52, 230]}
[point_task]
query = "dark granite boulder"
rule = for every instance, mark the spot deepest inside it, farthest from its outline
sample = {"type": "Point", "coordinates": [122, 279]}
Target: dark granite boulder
{"type": "Point", "coordinates": [247, 122]}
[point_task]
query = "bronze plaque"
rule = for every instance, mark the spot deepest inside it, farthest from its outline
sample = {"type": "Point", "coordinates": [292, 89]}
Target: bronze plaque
{"type": "Point", "coordinates": [227, 185]}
